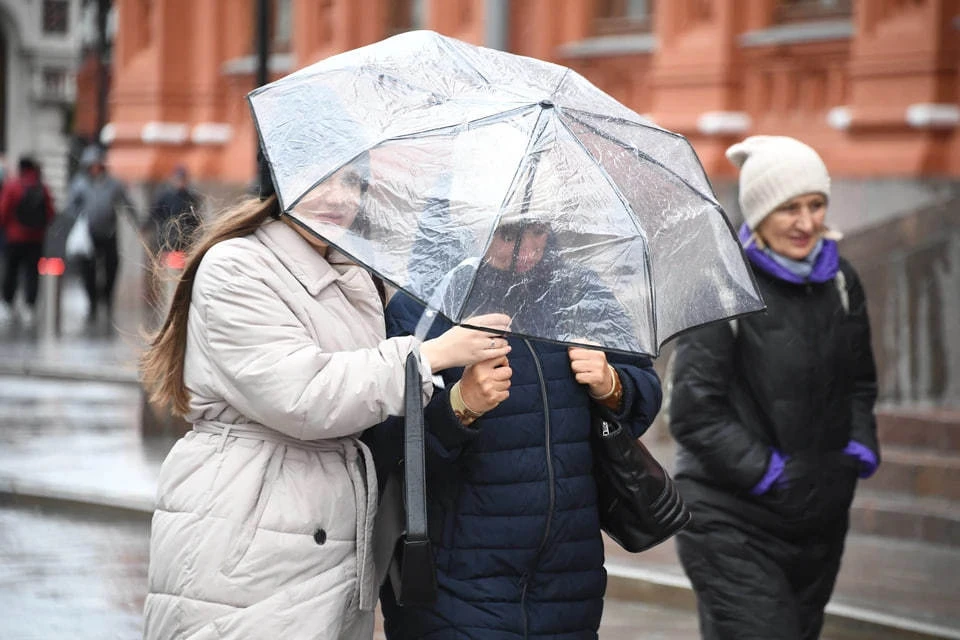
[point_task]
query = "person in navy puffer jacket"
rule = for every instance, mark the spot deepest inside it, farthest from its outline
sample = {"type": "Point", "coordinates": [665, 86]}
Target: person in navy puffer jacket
{"type": "Point", "coordinates": [512, 503]}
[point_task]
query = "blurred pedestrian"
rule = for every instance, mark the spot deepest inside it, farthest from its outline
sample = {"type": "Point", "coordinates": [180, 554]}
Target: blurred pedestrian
{"type": "Point", "coordinates": [175, 212]}
{"type": "Point", "coordinates": [265, 509]}
{"type": "Point", "coordinates": [26, 210]}
{"type": "Point", "coordinates": [100, 197]}
{"type": "Point", "coordinates": [773, 413]}
{"type": "Point", "coordinates": [511, 500]}
{"type": "Point", "coordinates": [3, 179]}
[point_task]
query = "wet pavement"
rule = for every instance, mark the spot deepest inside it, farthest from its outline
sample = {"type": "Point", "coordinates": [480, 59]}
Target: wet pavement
{"type": "Point", "coordinates": [68, 569]}
{"type": "Point", "coordinates": [70, 437]}
{"type": "Point", "coordinates": [70, 573]}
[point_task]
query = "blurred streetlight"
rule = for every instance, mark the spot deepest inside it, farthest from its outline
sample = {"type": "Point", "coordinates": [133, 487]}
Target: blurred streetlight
{"type": "Point", "coordinates": [262, 45]}
{"type": "Point", "coordinates": [103, 56]}
{"type": "Point", "coordinates": [263, 41]}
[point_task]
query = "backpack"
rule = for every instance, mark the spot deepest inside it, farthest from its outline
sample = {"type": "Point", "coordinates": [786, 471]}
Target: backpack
{"type": "Point", "coordinates": [32, 210]}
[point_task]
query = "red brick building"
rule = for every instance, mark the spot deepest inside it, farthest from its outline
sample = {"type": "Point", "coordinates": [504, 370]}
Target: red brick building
{"type": "Point", "coordinates": [874, 85]}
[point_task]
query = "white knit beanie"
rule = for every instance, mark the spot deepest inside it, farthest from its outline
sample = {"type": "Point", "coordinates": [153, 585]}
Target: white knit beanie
{"type": "Point", "coordinates": [774, 169]}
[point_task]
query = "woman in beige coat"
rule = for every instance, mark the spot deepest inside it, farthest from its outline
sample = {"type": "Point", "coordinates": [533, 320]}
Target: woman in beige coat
{"type": "Point", "coordinates": [274, 350]}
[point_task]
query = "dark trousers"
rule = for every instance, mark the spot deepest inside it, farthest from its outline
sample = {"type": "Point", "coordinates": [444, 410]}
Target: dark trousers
{"type": "Point", "coordinates": [99, 272]}
{"type": "Point", "coordinates": [22, 257]}
{"type": "Point", "coordinates": [754, 586]}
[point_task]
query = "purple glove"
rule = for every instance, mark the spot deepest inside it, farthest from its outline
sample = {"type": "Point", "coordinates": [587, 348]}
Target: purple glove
{"type": "Point", "coordinates": [863, 455]}
{"type": "Point", "coordinates": [773, 474]}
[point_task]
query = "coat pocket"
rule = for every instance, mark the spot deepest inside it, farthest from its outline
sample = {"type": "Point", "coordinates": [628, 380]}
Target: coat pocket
{"type": "Point", "coordinates": [836, 485]}
{"type": "Point", "coordinates": [791, 497]}
{"type": "Point", "coordinates": [251, 522]}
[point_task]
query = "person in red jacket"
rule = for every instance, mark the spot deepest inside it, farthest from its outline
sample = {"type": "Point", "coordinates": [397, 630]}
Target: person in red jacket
{"type": "Point", "coordinates": [26, 211]}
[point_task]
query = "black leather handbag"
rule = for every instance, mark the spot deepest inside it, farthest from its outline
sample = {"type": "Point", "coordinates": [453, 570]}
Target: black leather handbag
{"type": "Point", "coordinates": [412, 572]}
{"type": "Point", "coordinates": [639, 503]}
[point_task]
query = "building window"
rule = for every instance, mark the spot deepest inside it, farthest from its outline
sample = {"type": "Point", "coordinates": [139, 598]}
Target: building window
{"type": "Point", "coordinates": [803, 10]}
{"type": "Point", "coordinates": [55, 16]}
{"type": "Point", "coordinates": [53, 83]}
{"type": "Point", "coordinates": [406, 15]}
{"type": "Point", "coordinates": [623, 16]}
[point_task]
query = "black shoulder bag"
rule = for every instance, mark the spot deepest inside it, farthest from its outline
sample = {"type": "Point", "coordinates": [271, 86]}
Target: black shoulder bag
{"type": "Point", "coordinates": [639, 504]}
{"type": "Point", "coordinates": [412, 571]}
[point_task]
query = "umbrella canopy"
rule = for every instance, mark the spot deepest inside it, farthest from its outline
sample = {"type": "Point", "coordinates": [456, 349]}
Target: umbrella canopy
{"type": "Point", "coordinates": [497, 182]}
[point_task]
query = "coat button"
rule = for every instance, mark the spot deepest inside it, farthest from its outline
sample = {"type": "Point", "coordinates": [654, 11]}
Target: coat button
{"type": "Point", "coordinates": [320, 536]}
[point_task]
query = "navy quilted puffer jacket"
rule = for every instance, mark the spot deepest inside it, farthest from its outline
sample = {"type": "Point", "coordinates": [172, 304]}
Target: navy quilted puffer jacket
{"type": "Point", "coordinates": [511, 499]}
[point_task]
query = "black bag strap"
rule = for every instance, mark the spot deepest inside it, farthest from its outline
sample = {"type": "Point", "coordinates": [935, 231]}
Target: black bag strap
{"type": "Point", "coordinates": [413, 573]}
{"type": "Point", "coordinates": [415, 482]}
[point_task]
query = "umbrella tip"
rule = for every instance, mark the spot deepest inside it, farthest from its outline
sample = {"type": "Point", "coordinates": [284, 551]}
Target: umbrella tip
{"type": "Point", "coordinates": [546, 104]}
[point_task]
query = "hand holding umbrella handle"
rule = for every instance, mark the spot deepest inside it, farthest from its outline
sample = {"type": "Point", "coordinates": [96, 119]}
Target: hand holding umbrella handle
{"type": "Point", "coordinates": [485, 385]}
{"type": "Point", "coordinates": [461, 347]}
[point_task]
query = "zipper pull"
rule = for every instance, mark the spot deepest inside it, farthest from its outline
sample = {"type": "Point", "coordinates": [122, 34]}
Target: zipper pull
{"type": "Point", "coordinates": [605, 430]}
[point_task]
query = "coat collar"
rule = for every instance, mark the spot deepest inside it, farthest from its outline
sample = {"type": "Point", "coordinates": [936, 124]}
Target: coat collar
{"type": "Point", "coordinates": [306, 264]}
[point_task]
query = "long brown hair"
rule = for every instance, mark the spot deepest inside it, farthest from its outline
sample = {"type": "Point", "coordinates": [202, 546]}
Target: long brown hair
{"type": "Point", "coordinates": [161, 365]}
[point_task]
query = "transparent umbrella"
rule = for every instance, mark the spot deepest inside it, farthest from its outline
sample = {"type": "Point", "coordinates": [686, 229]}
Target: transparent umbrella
{"type": "Point", "coordinates": [503, 183]}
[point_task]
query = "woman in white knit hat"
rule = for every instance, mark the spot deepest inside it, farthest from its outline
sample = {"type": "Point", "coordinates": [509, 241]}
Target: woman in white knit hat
{"type": "Point", "coordinates": [773, 413]}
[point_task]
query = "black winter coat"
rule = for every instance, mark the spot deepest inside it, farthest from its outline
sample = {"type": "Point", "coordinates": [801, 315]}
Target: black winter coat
{"type": "Point", "coordinates": [799, 378]}
{"type": "Point", "coordinates": [511, 499]}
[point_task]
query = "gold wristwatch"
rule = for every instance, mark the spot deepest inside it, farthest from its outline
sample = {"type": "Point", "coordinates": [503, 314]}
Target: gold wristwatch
{"type": "Point", "coordinates": [464, 414]}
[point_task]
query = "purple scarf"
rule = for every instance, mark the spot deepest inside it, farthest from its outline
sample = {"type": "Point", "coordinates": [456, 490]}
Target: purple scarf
{"type": "Point", "coordinates": [825, 265]}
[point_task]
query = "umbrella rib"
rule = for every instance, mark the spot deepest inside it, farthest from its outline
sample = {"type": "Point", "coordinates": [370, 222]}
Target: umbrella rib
{"type": "Point", "coordinates": [325, 176]}
{"type": "Point", "coordinates": [560, 82]}
{"type": "Point", "coordinates": [262, 147]}
{"type": "Point", "coordinates": [449, 46]}
{"type": "Point", "coordinates": [503, 202]}
{"type": "Point", "coordinates": [642, 154]}
{"type": "Point", "coordinates": [618, 119]}
{"type": "Point", "coordinates": [407, 136]}
{"type": "Point", "coordinates": [636, 223]}
{"type": "Point", "coordinates": [713, 204]}
{"type": "Point", "coordinates": [608, 178]}
{"type": "Point", "coordinates": [449, 127]}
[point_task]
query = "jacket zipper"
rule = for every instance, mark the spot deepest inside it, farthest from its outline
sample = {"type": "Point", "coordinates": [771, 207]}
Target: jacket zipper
{"type": "Point", "coordinates": [528, 576]}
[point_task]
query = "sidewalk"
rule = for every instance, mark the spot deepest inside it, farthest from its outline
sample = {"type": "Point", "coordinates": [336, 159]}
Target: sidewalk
{"type": "Point", "coordinates": [883, 584]}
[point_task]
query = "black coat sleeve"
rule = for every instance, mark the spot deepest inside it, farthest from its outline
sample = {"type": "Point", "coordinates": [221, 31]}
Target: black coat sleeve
{"type": "Point", "coordinates": [702, 420]}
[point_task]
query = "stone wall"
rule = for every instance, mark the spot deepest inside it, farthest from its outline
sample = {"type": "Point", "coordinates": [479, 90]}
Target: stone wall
{"type": "Point", "coordinates": [910, 268]}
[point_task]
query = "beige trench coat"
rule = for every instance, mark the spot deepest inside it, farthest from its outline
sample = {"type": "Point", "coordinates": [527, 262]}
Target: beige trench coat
{"type": "Point", "coordinates": [265, 511]}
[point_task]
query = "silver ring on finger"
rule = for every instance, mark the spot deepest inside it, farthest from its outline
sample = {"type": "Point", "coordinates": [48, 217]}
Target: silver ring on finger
{"type": "Point", "coordinates": [493, 343]}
